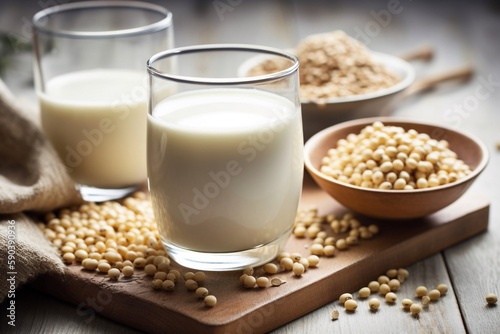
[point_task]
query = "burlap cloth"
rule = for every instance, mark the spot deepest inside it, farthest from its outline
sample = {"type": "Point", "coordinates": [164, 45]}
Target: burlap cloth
{"type": "Point", "coordinates": [32, 179]}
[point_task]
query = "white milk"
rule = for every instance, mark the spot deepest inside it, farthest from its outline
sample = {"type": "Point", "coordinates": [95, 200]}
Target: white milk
{"type": "Point", "coordinates": [96, 121]}
{"type": "Point", "coordinates": [225, 168]}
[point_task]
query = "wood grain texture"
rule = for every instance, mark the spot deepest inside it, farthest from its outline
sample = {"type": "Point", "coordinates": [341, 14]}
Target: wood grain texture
{"type": "Point", "coordinates": [442, 316]}
{"type": "Point", "coordinates": [39, 313]}
{"type": "Point", "coordinates": [399, 244]}
{"type": "Point", "coordinates": [460, 32]}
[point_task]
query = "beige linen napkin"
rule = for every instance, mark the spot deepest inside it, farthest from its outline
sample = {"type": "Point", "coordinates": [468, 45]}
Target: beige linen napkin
{"type": "Point", "coordinates": [32, 179]}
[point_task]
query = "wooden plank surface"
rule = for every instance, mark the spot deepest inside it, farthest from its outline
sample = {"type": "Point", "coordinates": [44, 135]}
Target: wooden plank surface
{"type": "Point", "coordinates": [399, 244]}
{"type": "Point", "coordinates": [440, 317]}
{"type": "Point", "coordinates": [460, 32]}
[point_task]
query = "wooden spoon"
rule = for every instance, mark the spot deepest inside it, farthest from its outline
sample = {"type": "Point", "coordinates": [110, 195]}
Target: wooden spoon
{"type": "Point", "coordinates": [424, 52]}
{"type": "Point", "coordinates": [463, 73]}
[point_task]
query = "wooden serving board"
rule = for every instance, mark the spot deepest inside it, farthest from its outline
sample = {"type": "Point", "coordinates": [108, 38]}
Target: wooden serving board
{"type": "Point", "coordinates": [239, 310]}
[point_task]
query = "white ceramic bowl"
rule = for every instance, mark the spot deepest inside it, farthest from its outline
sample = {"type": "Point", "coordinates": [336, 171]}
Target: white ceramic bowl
{"type": "Point", "coordinates": [379, 103]}
{"type": "Point", "coordinates": [369, 101]}
{"type": "Point", "coordinates": [317, 117]}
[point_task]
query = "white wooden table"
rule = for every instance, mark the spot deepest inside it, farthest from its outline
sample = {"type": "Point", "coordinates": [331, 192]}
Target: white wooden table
{"type": "Point", "coordinates": [460, 33]}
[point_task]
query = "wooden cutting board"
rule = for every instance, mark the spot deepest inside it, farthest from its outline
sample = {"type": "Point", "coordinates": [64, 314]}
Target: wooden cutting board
{"type": "Point", "coordinates": [239, 310]}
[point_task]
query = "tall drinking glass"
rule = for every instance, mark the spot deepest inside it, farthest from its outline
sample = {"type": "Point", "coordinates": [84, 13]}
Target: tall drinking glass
{"type": "Point", "coordinates": [225, 162]}
{"type": "Point", "coordinates": [91, 82]}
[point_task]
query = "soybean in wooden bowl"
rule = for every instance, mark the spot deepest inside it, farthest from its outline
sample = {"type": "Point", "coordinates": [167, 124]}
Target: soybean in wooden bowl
{"type": "Point", "coordinates": [395, 204]}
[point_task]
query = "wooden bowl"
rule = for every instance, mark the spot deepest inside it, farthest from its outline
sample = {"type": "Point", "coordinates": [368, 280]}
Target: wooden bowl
{"type": "Point", "coordinates": [395, 204]}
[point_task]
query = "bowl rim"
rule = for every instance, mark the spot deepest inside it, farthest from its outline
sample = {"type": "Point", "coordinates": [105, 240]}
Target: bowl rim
{"type": "Point", "coordinates": [313, 141]}
{"type": "Point", "coordinates": [407, 80]}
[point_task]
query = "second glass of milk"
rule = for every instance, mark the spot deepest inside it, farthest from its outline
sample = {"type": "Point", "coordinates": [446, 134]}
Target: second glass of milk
{"type": "Point", "coordinates": [225, 162]}
{"type": "Point", "coordinates": [92, 88]}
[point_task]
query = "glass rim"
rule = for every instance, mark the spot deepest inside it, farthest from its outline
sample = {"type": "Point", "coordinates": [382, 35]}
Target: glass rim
{"type": "Point", "coordinates": [223, 47]}
{"type": "Point", "coordinates": [149, 28]}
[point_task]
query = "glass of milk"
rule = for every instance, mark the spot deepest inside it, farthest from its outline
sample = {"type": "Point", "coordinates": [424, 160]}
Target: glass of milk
{"type": "Point", "coordinates": [225, 162]}
{"type": "Point", "coordinates": [91, 81]}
